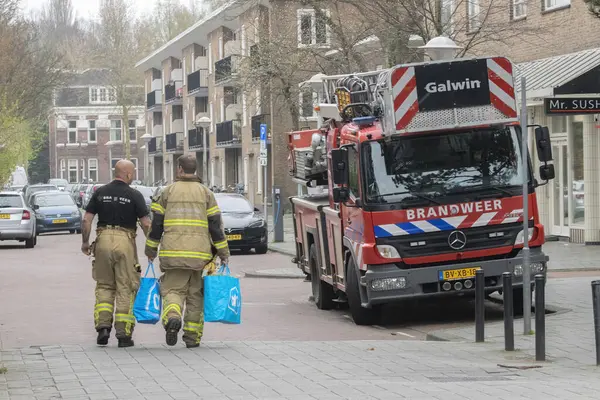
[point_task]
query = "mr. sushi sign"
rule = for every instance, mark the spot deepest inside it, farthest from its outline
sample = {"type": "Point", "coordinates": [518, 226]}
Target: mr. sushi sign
{"type": "Point", "coordinates": [572, 105]}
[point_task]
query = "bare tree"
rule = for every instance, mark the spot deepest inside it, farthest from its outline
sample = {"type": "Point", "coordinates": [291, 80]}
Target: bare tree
{"type": "Point", "coordinates": [171, 17]}
{"type": "Point", "coordinates": [594, 7]}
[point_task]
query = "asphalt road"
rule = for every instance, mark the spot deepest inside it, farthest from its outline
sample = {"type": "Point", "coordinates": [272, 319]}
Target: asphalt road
{"type": "Point", "coordinates": [46, 298]}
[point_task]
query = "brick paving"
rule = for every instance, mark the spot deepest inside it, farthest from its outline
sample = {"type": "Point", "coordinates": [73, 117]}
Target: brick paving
{"type": "Point", "coordinates": [384, 370]}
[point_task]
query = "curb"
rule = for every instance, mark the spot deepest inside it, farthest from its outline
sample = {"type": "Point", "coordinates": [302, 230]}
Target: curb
{"type": "Point", "coordinates": [257, 274]}
{"type": "Point", "coordinates": [285, 252]}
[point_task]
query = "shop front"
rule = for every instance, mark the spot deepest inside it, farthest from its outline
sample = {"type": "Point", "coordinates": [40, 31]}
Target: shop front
{"type": "Point", "coordinates": [563, 93]}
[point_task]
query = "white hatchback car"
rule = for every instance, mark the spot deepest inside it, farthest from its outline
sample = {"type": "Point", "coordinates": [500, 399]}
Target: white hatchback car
{"type": "Point", "coordinates": [17, 220]}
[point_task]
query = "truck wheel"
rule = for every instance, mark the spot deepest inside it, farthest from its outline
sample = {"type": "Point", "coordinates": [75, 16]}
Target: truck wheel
{"type": "Point", "coordinates": [322, 291]}
{"type": "Point", "coordinates": [360, 314]}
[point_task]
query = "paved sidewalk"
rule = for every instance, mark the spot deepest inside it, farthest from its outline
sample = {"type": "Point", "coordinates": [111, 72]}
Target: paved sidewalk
{"type": "Point", "coordinates": [569, 332]}
{"type": "Point", "coordinates": [384, 370]}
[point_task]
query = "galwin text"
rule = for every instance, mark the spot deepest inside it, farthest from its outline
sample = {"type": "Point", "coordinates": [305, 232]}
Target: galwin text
{"type": "Point", "coordinates": [454, 209]}
{"type": "Point", "coordinates": [448, 86]}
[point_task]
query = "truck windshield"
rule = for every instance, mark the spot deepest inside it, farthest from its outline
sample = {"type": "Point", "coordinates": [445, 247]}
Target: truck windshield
{"type": "Point", "coordinates": [433, 166]}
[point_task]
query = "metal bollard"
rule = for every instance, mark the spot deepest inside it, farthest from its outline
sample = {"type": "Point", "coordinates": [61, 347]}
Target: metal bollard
{"type": "Point", "coordinates": [479, 306]}
{"type": "Point", "coordinates": [596, 303]}
{"type": "Point", "coordinates": [507, 294]}
{"type": "Point", "coordinates": [540, 318]}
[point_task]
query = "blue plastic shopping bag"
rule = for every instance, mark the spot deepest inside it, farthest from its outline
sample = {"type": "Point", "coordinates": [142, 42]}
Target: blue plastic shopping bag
{"type": "Point", "coordinates": [222, 297]}
{"type": "Point", "coordinates": [147, 305]}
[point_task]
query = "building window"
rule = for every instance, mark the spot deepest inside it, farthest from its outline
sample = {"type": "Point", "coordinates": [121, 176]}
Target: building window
{"type": "Point", "coordinates": [62, 169]}
{"type": "Point", "coordinates": [553, 4]}
{"type": "Point", "coordinates": [220, 49]}
{"type": "Point", "coordinates": [222, 100]}
{"type": "Point", "coordinates": [201, 105]}
{"type": "Point", "coordinates": [308, 100]}
{"type": "Point", "coordinates": [73, 172]}
{"type": "Point", "coordinates": [446, 20]}
{"type": "Point", "coordinates": [519, 9]}
{"type": "Point", "coordinates": [115, 130]}
{"type": "Point", "coordinates": [102, 95]}
{"type": "Point", "coordinates": [93, 169]}
{"type": "Point", "coordinates": [92, 136]}
{"type": "Point", "coordinates": [177, 113]}
{"type": "Point", "coordinates": [132, 131]}
{"type": "Point", "coordinates": [244, 110]}
{"type": "Point", "coordinates": [577, 197]}
{"type": "Point", "coordinates": [313, 29]}
{"type": "Point", "coordinates": [472, 15]}
{"type": "Point", "coordinates": [244, 38]}
{"type": "Point", "coordinates": [558, 124]}
{"type": "Point", "coordinates": [210, 58]}
{"type": "Point", "coordinates": [72, 132]}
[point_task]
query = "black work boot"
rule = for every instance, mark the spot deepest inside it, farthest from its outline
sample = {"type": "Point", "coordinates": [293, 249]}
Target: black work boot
{"type": "Point", "coordinates": [173, 326]}
{"type": "Point", "coordinates": [126, 342]}
{"type": "Point", "coordinates": [103, 336]}
{"type": "Point", "coordinates": [192, 345]}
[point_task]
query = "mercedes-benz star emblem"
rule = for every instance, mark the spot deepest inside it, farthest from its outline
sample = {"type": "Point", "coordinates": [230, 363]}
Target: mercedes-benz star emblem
{"type": "Point", "coordinates": [457, 240]}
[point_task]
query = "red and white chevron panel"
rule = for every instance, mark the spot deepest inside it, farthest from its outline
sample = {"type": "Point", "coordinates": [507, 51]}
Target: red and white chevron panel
{"type": "Point", "coordinates": [404, 93]}
{"type": "Point", "coordinates": [502, 90]}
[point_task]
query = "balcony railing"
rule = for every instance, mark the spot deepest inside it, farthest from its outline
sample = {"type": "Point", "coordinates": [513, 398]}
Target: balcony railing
{"type": "Point", "coordinates": [173, 92]}
{"type": "Point", "coordinates": [229, 133]}
{"type": "Point", "coordinates": [196, 139]}
{"type": "Point", "coordinates": [226, 69]}
{"type": "Point", "coordinates": [255, 123]}
{"type": "Point", "coordinates": [154, 99]}
{"type": "Point", "coordinates": [155, 145]}
{"type": "Point", "coordinates": [174, 142]}
{"type": "Point", "coordinates": [197, 82]}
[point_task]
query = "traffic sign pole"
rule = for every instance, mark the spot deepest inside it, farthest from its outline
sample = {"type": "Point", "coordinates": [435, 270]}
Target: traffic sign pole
{"type": "Point", "coordinates": [264, 163]}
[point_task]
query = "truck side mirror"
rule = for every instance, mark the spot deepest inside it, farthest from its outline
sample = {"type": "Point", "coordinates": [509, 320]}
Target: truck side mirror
{"type": "Point", "coordinates": [542, 140]}
{"type": "Point", "coordinates": [339, 166]}
{"type": "Point", "coordinates": [547, 172]}
{"type": "Point", "coordinates": [340, 195]}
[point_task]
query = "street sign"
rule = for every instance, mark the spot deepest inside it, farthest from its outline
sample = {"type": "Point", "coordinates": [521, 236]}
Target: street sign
{"type": "Point", "coordinates": [263, 144]}
{"type": "Point", "coordinates": [572, 105]}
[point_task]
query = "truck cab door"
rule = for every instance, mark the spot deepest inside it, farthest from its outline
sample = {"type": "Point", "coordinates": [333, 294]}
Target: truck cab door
{"type": "Point", "coordinates": [351, 213]}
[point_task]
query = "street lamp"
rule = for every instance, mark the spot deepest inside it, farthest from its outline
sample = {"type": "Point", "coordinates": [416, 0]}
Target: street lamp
{"type": "Point", "coordinates": [204, 123]}
{"type": "Point", "coordinates": [110, 145]}
{"type": "Point", "coordinates": [146, 137]}
{"type": "Point", "coordinates": [441, 48]}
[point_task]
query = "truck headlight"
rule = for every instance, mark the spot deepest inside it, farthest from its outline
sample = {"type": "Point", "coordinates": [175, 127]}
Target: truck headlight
{"type": "Point", "coordinates": [379, 285]}
{"type": "Point", "coordinates": [535, 268]}
{"type": "Point", "coordinates": [520, 239]}
{"type": "Point", "coordinates": [387, 251]}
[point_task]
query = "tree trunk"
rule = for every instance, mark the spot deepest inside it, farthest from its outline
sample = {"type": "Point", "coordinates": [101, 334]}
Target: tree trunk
{"type": "Point", "coordinates": [125, 128]}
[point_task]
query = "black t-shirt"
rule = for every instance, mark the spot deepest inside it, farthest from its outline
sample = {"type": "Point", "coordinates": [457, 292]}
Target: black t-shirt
{"type": "Point", "coordinates": [117, 204]}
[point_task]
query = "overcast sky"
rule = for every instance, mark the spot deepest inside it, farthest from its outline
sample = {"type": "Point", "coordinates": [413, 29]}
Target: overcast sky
{"type": "Point", "coordinates": [87, 8]}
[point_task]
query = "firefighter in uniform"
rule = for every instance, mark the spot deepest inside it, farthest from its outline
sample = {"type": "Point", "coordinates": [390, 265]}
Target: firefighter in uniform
{"type": "Point", "coordinates": [115, 268]}
{"type": "Point", "coordinates": [186, 222]}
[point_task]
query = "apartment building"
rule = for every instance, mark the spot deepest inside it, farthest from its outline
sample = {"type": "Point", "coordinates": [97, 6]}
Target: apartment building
{"type": "Point", "coordinates": [86, 132]}
{"type": "Point", "coordinates": [197, 94]}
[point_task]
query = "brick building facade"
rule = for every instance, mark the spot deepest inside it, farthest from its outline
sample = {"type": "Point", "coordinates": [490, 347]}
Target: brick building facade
{"type": "Point", "coordinates": [85, 130]}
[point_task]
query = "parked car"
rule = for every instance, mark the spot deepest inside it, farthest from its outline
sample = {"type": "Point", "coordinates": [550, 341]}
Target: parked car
{"type": "Point", "coordinates": [30, 190]}
{"type": "Point", "coordinates": [88, 193]}
{"type": "Point", "coordinates": [16, 188]}
{"type": "Point", "coordinates": [61, 184]}
{"type": "Point", "coordinates": [78, 194]}
{"type": "Point", "coordinates": [16, 219]}
{"type": "Point", "coordinates": [245, 226]}
{"type": "Point", "coordinates": [56, 211]}
{"type": "Point", "coordinates": [147, 192]}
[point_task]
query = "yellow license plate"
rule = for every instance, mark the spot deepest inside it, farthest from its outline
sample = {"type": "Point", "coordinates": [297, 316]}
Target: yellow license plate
{"type": "Point", "coordinates": [456, 274]}
{"type": "Point", "coordinates": [59, 221]}
{"type": "Point", "coordinates": [234, 237]}
{"type": "Point", "coordinates": [4, 216]}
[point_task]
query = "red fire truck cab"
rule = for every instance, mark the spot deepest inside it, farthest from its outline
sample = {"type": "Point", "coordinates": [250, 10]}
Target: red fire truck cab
{"type": "Point", "coordinates": [420, 167]}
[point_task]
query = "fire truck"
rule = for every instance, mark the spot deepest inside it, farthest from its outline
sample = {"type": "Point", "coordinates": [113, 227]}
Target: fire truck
{"type": "Point", "coordinates": [420, 167]}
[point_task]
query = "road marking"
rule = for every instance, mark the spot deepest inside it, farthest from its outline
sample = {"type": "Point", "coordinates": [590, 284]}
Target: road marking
{"type": "Point", "coordinates": [404, 334]}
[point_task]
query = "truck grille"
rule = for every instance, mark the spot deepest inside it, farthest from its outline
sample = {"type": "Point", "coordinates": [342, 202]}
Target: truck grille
{"type": "Point", "coordinates": [485, 237]}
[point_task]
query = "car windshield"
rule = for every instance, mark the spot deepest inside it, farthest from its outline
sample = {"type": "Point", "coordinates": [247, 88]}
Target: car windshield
{"type": "Point", "coordinates": [438, 165]}
{"type": "Point", "coordinates": [35, 189]}
{"type": "Point", "coordinates": [234, 204]}
{"type": "Point", "coordinates": [54, 200]}
{"type": "Point", "coordinates": [10, 200]}
{"type": "Point", "coordinates": [58, 182]}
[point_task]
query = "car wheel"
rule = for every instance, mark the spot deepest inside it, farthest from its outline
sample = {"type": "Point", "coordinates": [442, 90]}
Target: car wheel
{"type": "Point", "coordinates": [322, 291]}
{"type": "Point", "coordinates": [72, 231]}
{"type": "Point", "coordinates": [360, 314]}
{"type": "Point", "coordinates": [30, 243]}
{"type": "Point", "coordinates": [78, 231]}
{"type": "Point", "coordinates": [262, 249]}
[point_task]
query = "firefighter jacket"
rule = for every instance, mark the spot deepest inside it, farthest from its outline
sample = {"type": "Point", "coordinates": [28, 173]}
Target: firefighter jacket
{"type": "Point", "coordinates": [186, 221]}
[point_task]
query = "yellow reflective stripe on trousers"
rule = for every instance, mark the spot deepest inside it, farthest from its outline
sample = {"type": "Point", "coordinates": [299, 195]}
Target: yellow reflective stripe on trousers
{"type": "Point", "coordinates": [186, 254]}
{"type": "Point", "coordinates": [104, 307]}
{"type": "Point", "coordinates": [168, 308]}
{"type": "Point", "coordinates": [124, 318]}
{"type": "Point", "coordinates": [198, 329]}
{"type": "Point", "coordinates": [186, 222]}
{"type": "Point", "coordinates": [221, 245]}
{"type": "Point", "coordinates": [152, 243]}
{"type": "Point", "coordinates": [212, 211]}
{"type": "Point", "coordinates": [157, 208]}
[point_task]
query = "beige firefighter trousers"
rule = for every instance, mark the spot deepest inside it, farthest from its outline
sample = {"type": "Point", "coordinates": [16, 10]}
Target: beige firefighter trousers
{"type": "Point", "coordinates": [179, 288]}
{"type": "Point", "coordinates": [117, 280]}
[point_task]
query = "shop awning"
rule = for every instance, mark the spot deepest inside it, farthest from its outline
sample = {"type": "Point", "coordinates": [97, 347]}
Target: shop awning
{"type": "Point", "coordinates": [574, 73]}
